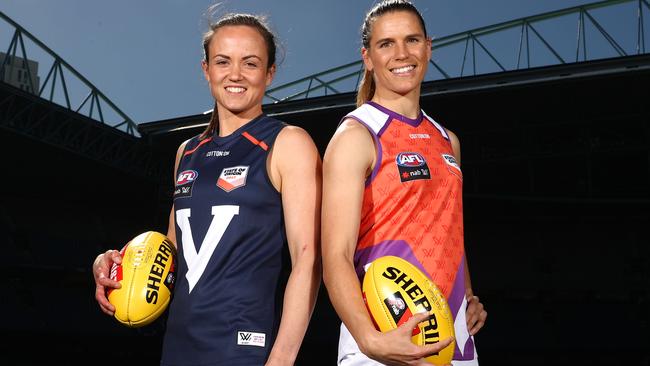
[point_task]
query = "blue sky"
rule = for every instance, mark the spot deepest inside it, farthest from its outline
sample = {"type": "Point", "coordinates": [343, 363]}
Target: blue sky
{"type": "Point", "coordinates": [145, 55]}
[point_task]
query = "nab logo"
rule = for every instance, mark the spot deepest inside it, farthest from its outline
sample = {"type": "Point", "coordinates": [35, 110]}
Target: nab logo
{"type": "Point", "coordinates": [186, 176]}
{"type": "Point", "coordinates": [410, 159]}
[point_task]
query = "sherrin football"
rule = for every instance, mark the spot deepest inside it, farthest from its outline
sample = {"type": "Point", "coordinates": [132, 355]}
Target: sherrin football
{"type": "Point", "coordinates": [147, 275]}
{"type": "Point", "coordinates": [394, 290]}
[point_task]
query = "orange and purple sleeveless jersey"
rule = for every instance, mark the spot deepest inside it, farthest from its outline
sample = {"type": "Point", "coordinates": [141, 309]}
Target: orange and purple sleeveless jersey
{"type": "Point", "coordinates": [412, 206]}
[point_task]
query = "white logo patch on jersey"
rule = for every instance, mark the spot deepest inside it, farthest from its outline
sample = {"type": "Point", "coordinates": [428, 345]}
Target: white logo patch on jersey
{"type": "Point", "coordinates": [232, 178]}
{"type": "Point", "coordinates": [451, 161]}
{"type": "Point", "coordinates": [251, 339]}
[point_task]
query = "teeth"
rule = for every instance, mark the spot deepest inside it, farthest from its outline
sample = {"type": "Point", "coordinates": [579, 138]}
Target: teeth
{"type": "Point", "coordinates": [235, 89]}
{"type": "Point", "coordinates": [402, 70]}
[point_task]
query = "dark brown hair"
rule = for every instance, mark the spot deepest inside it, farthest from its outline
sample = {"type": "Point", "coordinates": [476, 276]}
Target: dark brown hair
{"type": "Point", "coordinates": [367, 85]}
{"type": "Point", "coordinates": [254, 21]}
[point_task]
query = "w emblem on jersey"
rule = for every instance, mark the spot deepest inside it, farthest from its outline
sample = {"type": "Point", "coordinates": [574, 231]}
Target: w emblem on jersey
{"type": "Point", "coordinates": [412, 166]}
{"type": "Point", "coordinates": [232, 178]}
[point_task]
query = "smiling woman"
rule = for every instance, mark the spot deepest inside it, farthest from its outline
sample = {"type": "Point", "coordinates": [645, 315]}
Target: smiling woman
{"type": "Point", "coordinates": [247, 193]}
{"type": "Point", "coordinates": [392, 186]}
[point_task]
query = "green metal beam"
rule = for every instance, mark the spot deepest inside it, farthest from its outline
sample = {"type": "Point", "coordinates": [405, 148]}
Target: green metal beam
{"type": "Point", "coordinates": [55, 73]}
{"type": "Point", "coordinates": [319, 83]}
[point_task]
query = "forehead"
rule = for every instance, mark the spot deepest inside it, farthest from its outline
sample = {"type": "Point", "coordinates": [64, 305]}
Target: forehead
{"type": "Point", "coordinates": [395, 23]}
{"type": "Point", "coordinates": [231, 38]}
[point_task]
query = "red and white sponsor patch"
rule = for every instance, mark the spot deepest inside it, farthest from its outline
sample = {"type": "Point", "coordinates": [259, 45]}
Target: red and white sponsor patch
{"type": "Point", "coordinates": [232, 178]}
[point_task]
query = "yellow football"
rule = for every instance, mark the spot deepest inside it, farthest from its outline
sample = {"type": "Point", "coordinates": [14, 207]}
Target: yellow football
{"type": "Point", "coordinates": [394, 290]}
{"type": "Point", "coordinates": [147, 275]}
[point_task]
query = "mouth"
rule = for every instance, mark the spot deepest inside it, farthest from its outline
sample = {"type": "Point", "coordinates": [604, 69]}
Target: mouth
{"type": "Point", "coordinates": [403, 70]}
{"type": "Point", "coordinates": [235, 89]}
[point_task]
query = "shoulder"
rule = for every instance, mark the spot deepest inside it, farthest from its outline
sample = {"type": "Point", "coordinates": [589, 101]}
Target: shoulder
{"type": "Point", "coordinates": [352, 145]}
{"type": "Point", "coordinates": [455, 144]}
{"type": "Point", "coordinates": [351, 131]}
{"type": "Point", "coordinates": [293, 137]}
{"type": "Point", "coordinates": [294, 147]}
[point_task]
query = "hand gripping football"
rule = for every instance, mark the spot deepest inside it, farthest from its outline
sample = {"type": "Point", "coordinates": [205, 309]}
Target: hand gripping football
{"type": "Point", "coordinates": [394, 290]}
{"type": "Point", "coordinates": [147, 275]}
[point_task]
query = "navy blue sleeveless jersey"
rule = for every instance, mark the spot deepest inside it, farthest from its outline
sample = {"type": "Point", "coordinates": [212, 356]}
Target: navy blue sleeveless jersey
{"type": "Point", "coordinates": [232, 256]}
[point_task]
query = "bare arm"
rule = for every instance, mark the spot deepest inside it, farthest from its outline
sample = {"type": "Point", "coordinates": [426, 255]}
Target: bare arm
{"type": "Point", "coordinates": [349, 159]}
{"type": "Point", "coordinates": [295, 169]}
{"type": "Point", "coordinates": [475, 314]}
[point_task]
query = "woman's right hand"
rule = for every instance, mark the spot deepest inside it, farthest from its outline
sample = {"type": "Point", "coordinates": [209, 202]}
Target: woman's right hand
{"type": "Point", "coordinates": [395, 347]}
{"type": "Point", "coordinates": [101, 272]}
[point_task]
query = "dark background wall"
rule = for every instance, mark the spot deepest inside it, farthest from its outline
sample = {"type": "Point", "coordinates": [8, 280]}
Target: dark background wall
{"type": "Point", "coordinates": [557, 204]}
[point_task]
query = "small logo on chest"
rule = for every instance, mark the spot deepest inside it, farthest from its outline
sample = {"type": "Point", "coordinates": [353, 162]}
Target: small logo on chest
{"type": "Point", "coordinates": [452, 165]}
{"type": "Point", "coordinates": [184, 183]}
{"type": "Point", "coordinates": [233, 178]}
{"type": "Point", "coordinates": [412, 166]}
{"type": "Point", "coordinates": [216, 153]}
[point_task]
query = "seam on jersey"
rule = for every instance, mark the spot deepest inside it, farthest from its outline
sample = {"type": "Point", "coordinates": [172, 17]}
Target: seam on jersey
{"type": "Point", "coordinates": [190, 152]}
{"type": "Point", "coordinates": [255, 141]}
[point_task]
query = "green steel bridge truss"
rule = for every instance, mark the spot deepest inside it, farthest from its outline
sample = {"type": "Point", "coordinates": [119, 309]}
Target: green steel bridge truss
{"type": "Point", "coordinates": [598, 30]}
{"type": "Point", "coordinates": [603, 29]}
{"type": "Point", "coordinates": [62, 85]}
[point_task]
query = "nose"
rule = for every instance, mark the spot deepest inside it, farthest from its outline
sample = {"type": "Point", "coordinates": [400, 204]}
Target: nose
{"type": "Point", "coordinates": [401, 51]}
{"type": "Point", "coordinates": [235, 73]}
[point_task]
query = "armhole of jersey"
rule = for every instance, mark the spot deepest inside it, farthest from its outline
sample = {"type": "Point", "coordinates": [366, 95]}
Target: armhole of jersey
{"type": "Point", "coordinates": [175, 168]}
{"type": "Point", "coordinates": [378, 149]}
{"type": "Point", "coordinates": [271, 144]}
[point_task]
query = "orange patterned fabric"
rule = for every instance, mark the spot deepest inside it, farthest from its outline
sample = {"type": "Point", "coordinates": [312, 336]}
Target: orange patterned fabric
{"type": "Point", "coordinates": [415, 196]}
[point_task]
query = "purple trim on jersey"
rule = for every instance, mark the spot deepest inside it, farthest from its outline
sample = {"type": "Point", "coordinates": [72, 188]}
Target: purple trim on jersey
{"type": "Point", "coordinates": [455, 301]}
{"type": "Point", "coordinates": [393, 115]}
{"type": "Point", "coordinates": [379, 149]}
{"type": "Point", "coordinates": [398, 248]}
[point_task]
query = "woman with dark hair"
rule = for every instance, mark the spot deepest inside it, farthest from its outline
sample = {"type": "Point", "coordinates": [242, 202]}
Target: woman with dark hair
{"type": "Point", "coordinates": [377, 202]}
{"type": "Point", "coordinates": [249, 216]}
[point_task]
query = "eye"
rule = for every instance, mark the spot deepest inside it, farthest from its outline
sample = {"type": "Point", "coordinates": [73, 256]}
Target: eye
{"type": "Point", "coordinates": [251, 64]}
{"type": "Point", "coordinates": [221, 62]}
{"type": "Point", "coordinates": [385, 44]}
{"type": "Point", "coordinates": [413, 40]}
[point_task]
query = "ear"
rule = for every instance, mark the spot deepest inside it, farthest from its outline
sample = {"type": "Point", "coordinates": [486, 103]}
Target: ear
{"type": "Point", "coordinates": [204, 66]}
{"type": "Point", "coordinates": [429, 43]}
{"type": "Point", "coordinates": [365, 55]}
{"type": "Point", "coordinates": [270, 74]}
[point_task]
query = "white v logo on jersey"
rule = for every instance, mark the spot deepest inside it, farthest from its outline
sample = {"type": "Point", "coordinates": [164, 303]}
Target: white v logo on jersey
{"type": "Point", "coordinates": [196, 262]}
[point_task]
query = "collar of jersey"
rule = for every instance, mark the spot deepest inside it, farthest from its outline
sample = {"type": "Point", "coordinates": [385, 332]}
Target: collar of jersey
{"type": "Point", "coordinates": [396, 116]}
{"type": "Point", "coordinates": [248, 126]}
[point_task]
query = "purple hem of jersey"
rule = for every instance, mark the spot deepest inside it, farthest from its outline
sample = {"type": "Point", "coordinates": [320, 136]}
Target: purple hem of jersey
{"type": "Point", "coordinates": [398, 248]}
{"type": "Point", "coordinates": [455, 301]}
{"type": "Point", "coordinates": [375, 170]}
{"type": "Point", "coordinates": [394, 115]}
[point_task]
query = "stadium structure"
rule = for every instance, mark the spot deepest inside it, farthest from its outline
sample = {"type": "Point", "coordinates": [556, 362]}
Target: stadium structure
{"type": "Point", "coordinates": [553, 114]}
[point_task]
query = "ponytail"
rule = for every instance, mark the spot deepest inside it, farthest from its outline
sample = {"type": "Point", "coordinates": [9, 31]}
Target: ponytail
{"type": "Point", "coordinates": [366, 88]}
{"type": "Point", "coordinates": [212, 125]}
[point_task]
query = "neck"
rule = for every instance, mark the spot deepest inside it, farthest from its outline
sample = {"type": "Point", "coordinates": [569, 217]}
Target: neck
{"type": "Point", "coordinates": [229, 122]}
{"type": "Point", "coordinates": [407, 105]}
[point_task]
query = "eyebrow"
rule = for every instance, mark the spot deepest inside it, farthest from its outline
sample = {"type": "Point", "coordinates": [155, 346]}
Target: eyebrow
{"type": "Point", "coordinates": [414, 35]}
{"type": "Point", "coordinates": [243, 58]}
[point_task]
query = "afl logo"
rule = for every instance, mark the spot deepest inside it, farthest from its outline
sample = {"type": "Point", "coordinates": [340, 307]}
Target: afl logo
{"type": "Point", "coordinates": [186, 176]}
{"type": "Point", "coordinates": [410, 159]}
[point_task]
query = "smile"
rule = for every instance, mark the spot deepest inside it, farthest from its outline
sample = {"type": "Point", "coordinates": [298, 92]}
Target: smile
{"type": "Point", "coordinates": [235, 89]}
{"type": "Point", "coordinates": [403, 70]}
